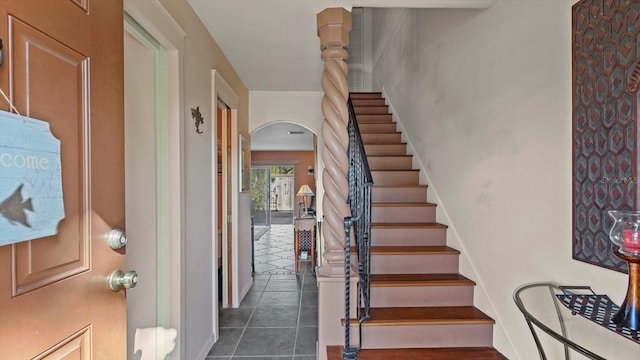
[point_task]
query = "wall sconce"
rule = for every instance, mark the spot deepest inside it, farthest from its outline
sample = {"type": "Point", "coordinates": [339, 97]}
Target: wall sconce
{"type": "Point", "coordinates": [310, 170]}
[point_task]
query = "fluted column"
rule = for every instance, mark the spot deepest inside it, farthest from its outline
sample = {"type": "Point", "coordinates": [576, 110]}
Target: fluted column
{"type": "Point", "coordinates": [334, 25]}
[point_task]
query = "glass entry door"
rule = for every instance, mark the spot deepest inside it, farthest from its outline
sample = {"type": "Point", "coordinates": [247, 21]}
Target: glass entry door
{"type": "Point", "coordinates": [260, 195]}
{"type": "Point", "coordinates": [272, 195]}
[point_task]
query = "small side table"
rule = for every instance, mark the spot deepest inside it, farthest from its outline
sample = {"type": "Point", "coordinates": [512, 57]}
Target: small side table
{"type": "Point", "coordinates": [304, 238]}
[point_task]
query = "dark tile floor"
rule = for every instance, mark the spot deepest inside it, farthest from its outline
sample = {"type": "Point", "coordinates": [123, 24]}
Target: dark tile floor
{"type": "Point", "coordinates": [278, 319]}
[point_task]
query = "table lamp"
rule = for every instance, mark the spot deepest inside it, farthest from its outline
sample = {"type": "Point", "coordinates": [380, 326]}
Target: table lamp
{"type": "Point", "coordinates": [305, 191]}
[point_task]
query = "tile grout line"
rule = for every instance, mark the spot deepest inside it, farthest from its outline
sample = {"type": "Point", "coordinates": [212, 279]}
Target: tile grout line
{"type": "Point", "coordinates": [244, 330]}
{"type": "Point", "coordinates": [295, 339]}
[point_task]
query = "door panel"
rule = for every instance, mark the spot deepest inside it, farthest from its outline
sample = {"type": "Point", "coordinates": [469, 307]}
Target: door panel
{"type": "Point", "coordinates": [63, 64]}
{"type": "Point", "coordinates": [83, 4]}
{"type": "Point", "coordinates": [76, 347]}
{"type": "Point", "coordinates": [38, 59]}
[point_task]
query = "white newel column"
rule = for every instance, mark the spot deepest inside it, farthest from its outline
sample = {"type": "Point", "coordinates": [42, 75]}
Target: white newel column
{"type": "Point", "coordinates": [334, 25]}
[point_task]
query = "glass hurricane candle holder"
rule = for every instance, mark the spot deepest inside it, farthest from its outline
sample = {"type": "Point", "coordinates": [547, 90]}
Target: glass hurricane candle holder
{"type": "Point", "coordinates": [625, 233]}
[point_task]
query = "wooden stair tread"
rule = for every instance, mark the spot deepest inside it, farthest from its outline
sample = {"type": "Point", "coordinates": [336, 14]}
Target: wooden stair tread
{"type": "Point", "coordinates": [374, 122]}
{"type": "Point", "coordinates": [471, 353]}
{"type": "Point", "coordinates": [410, 250]}
{"type": "Point", "coordinates": [423, 204]}
{"type": "Point", "coordinates": [398, 170]}
{"type": "Point", "coordinates": [385, 133]}
{"type": "Point", "coordinates": [378, 143]}
{"type": "Point", "coordinates": [429, 315]}
{"type": "Point", "coordinates": [387, 171]}
{"type": "Point", "coordinates": [386, 144]}
{"type": "Point", "coordinates": [372, 169]}
{"type": "Point", "coordinates": [389, 156]}
{"type": "Point", "coordinates": [365, 93]}
{"type": "Point", "coordinates": [370, 122]}
{"type": "Point", "coordinates": [382, 142]}
{"type": "Point", "coordinates": [409, 225]}
{"type": "Point", "coordinates": [390, 280]}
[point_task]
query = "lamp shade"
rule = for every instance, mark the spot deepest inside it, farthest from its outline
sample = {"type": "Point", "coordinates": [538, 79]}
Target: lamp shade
{"type": "Point", "coordinates": [305, 190]}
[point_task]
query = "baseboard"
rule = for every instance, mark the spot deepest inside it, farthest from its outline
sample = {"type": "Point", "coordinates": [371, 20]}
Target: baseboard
{"type": "Point", "coordinates": [207, 347]}
{"type": "Point", "coordinates": [245, 290]}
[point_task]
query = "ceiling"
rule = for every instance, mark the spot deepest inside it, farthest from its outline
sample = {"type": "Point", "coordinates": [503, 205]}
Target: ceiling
{"type": "Point", "coordinates": [273, 46]}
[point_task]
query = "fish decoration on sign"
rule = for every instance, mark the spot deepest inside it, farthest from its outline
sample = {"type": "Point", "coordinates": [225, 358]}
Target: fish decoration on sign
{"type": "Point", "coordinates": [14, 208]}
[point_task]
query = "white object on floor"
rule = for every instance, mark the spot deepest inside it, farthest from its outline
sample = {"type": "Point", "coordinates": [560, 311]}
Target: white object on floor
{"type": "Point", "coordinates": [154, 342]}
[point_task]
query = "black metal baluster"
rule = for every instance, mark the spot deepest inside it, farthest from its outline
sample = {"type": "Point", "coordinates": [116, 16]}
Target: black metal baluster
{"type": "Point", "coordinates": [360, 190]}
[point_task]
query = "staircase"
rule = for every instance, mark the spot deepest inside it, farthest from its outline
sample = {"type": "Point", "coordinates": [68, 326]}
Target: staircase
{"type": "Point", "coordinates": [421, 308]}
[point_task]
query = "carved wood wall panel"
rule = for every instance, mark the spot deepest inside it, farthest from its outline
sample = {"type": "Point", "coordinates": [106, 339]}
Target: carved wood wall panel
{"type": "Point", "coordinates": [605, 52]}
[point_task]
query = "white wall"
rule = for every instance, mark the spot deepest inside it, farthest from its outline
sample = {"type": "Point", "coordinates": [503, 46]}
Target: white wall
{"type": "Point", "coordinates": [201, 56]}
{"type": "Point", "coordinates": [301, 107]}
{"type": "Point", "coordinates": [484, 97]}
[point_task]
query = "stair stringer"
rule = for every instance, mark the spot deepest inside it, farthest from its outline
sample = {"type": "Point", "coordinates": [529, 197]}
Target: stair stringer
{"type": "Point", "coordinates": [482, 299]}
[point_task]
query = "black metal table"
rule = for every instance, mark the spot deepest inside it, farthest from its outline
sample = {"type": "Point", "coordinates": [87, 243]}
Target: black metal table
{"type": "Point", "coordinates": [576, 320]}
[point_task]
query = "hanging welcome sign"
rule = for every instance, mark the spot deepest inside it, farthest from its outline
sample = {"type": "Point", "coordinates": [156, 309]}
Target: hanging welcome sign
{"type": "Point", "coordinates": [31, 204]}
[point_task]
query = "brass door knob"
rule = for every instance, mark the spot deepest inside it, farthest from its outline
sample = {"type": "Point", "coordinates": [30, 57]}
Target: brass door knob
{"type": "Point", "coordinates": [118, 280]}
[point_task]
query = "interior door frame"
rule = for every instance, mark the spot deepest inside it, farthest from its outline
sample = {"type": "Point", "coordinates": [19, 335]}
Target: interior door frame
{"type": "Point", "coordinates": [221, 90]}
{"type": "Point", "coordinates": [227, 202]}
{"type": "Point", "coordinates": [156, 21]}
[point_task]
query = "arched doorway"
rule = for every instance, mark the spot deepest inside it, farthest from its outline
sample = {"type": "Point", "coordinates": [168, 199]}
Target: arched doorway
{"type": "Point", "coordinates": [283, 158]}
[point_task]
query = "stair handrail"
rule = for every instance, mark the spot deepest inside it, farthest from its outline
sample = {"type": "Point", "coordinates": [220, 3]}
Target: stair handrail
{"type": "Point", "coordinates": [360, 195]}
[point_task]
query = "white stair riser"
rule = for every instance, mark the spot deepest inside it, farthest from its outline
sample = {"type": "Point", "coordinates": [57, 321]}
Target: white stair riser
{"type": "Point", "coordinates": [380, 118]}
{"type": "Point", "coordinates": [409, 236]}
{"type": "Point", "coordinates": [391, 138]}
{"type": "Point", "coordinates": [403, 214]}
{"type": "Point", "coordinates": [400, 194]}
{"type": "Point", "coordinates": [366, 110]}
{"type": "Point", "coordinates": [415, 296]}
{"type": "Point", "coordinates": [398, 177]}
{"type": "Point", "coordinates": [379, 128]}
{"type": "Point", "coordinates": [414, 264]}
{"type": "Point", "coordinates": [424, 336]}
{"type": "Point", "coordinates": [397, 149]}
{"type": "Point", "coordinates": [390, 163]}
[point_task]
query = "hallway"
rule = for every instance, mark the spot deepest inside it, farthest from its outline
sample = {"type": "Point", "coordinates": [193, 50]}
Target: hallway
{"type": "Point", "coordinates": [278, 319]}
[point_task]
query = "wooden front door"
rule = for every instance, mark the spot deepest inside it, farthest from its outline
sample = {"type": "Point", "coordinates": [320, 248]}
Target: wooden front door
{"type": "Point", "coordinates": [63, 64]}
